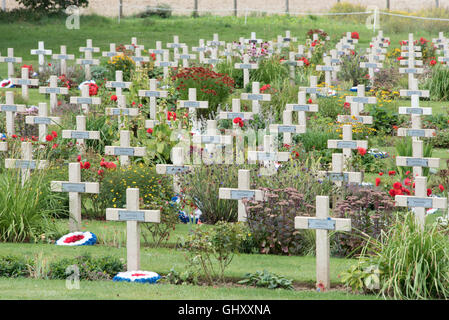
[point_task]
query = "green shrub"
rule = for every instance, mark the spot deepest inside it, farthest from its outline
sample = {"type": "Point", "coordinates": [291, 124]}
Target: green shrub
{"type": "Point", "coordinates": [330, 107]}
{"type": "Point", "coordinates": [384, 120]}
{"type": "Point", "coordinates": [441, 140]}
{"type": "Point", "coordinates": [52, 5]}
{"type": "Point", "coordinates": [270, 71]}
{"type": "Point", "coordinates": [12, 266]}
{"type": "Point", "coordinates": [350, 69]}
{"type": "Point", "coordinates": [266, 279]}
{"type": "Point", "coordinates": [438, 83]}
{"type": "Point", "coordinates": [162, 10]}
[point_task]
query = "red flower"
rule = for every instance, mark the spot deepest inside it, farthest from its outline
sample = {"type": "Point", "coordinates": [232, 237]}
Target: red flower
{"type": "Point", "coordinates": [93, 89]}
{"type": "Point", "coordinates": [100, 172]}
{"type": "Point", "coordinates": [429, 192]}
{"type": "Point", "coordinates": [49, 137]}
{"type": "Point", "coordinates": [85, 165]}
{"type": "Point", "coordinates": [54, 134]}
{"type": "Point", "coordinates": [381, 173]}
{"type": "Point", "coordinates": [34, 138]}
{"type": "Point", "coordinates": [407, 172]}
{"type": "Point", "coordinates": [432, 62]}
{"type": "Point", "coordinates": [377, 182]}
{"type": "Point", "coordinates": [55, 146]}
{"type": "Point", "coordinates": [113, 97]}
{"type": "Point", "coordinates": [392, 192]}
{"type": "Point", "coordinates": [78, 158]}
{"type": "Point", "coordinates": [171, 115]}
{"type": "Point", "coordinates": [149, 131]}
{"type": "Point", "coordinates": [309, 101]}
{"type": "Point", "coordinates": [346, 105]}
{"type": "Point", "coordinates": [14, 136]}
{"type": "Point", "coordinates": [397, 185]}
{"type": "Point", "coordinates": [441, 187]}
{"type": "Point", "coordinates": [391, 173]}
{"type": "Point", "coordinates": [407, 182]}
{"type": "Point", "coordinates": [153, 56]}
{"type": "Point", "coordinates": [362, 151]}
{"type": "Point", "coordinates": [355, 35]}
{"type": "Point", "coordinates": [74, 238]}
{"type": "Point", "coordinates": [111, 165]}
{"type": "Point", "coordinates": [399, 58]}
{"type": "Point", "coordinates": [296, 154]}
{"type": "Point", "coordinates": [237, 120]}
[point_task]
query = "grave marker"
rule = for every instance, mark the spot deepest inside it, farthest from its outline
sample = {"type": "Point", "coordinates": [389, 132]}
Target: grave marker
{"type": "Point", "coordinates": [338, 175]}
{"type": "Point", "coordinates": [53, 90]}
{"type": "Point", "coordinates": [10, 59]}
{"type": "Point", "coordinates": [43, 120]}
{"type": "Point", "coordinates": [10, 108]}
{"type": "Point", "coordinates": [118, 84]}
{"type": "Point", "coordinates": [85, 100]}
{"type": "Point", "coordinates": [255, 96]}
{"type": "Point", "coordinates": [347, 144]}
{"type": "Point", "coordinates": [287, 128]}
{"type": "Point", "coordinates": [25, 81]}
{"type": "Point", "coordinates": [125, 150]}
{"type": "Point", "coordinates": [235, 112]}
{"type": "Point", "coordinates": [177, 157]}
{"type": "Point", "coordinates": [41, 52]}
{"type": "Point", "coordinates": [87, 61]}
{"type": "Point", "coordinates": [302, 107]}
{"type": "Point", "coordinates": [63, 57]}
{"type": "Point", "coordinates": [246, 66]}
{"type": "Point", "coordinates": [80, 134]}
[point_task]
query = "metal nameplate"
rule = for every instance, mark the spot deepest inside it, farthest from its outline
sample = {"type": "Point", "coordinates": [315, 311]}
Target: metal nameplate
{"type": "Point", "coordinates": [62, 57]}
{"type": "Point", "coordinates": [286, 128]}
{"type": "Point", "coordinates": [411, 93]}
{"type": "Point", "coordinates": [158, 51]}
{"type": "Point", "coordinates": [327, 68]}
{"type": "Point", "coordinates": [335, 60]}
{"type": "Point", "coordinates": [252, 41]}
{"type": "Point", "coordinates": [176, 169]}
{"type": "Point", "coordinates": [152, 94]}
{"type": "Point", "coordinates": [131, 216]}
{"type": "Point", "coordinates": [414, 110]}
{"type": "Point", "coordinates": [52, 90]}
{"type": "Point", "coordinates": [246, 66]}
{"type": "Point", "coordinates": [9, 108]}
{"type": "Point", "coordinates": [266, 156]}
{"type": "Point", "coordinates": [360, 99]}
{"type": "Point", "coordinates": [255, 97]}
{"type": "Point", "coordinates": [311, 90]}
{"type": "Point", "coordinates": [233, 115]}
{"type": "Point", "coordinates": [42, 120]}
{"type": "Point", "coordinates": [111, 54]}
{"type": "Point", "coordinates": [301, 107]}
{"type": "Point", "coordinates": [80, 135]}
{"type": "Point", "coordinates": [347, 144]}
{"type": "Point", "coordinates": [413, 70]}
{"type": "Point", "coordinates": [325, 224]}
{"type": "Point", "coordinates": [118, 84]}
{"type": "Point", "coordinates": [184, 56]}
{"type": "Point", "coordinates": [39, 52]}
{"type": "Point", "coordinates": [191, 104]}
{"type": "Point", "coordinates": [124, 151]}
{"type": "Point", "coordinates": [417, 162]}
{"type": "Point", "coordinates": [371, 65]}
{"type": "Point", "coordinates": [338, 176]}
{"type": "Point", "coordinates": [419, 202]}
{"type": "Point", "coordinates": [23, 82]}
{"type": "Point", "coordinates": [87, 61]}
{"type": "Point", "coordinates": [120, 111]}
{"type": "Point", "coordinates": [215, 43]}
{"type": "Point", "coordinates": [84, 100]}
{"type": "Point", "coordinates": [25, 164]}
{"type": "Point", "coordinates": [138, 59]}
{"type": "Point", "coordinates": [10, 60]}
{"type": "Point", "coordinates": [210, 139]}
{"type": "Point", "coordinates": [287, 39]}
{"type": "Point", "coordinates": [213, 61]}
{"type": "Point", "coordinates": [73, 187]}
{"type": "Point", "coordinates": [174, 45]}
{"type": "Point", "coordinates": [241, 194]}
{"type": "Point", "coordinates": [416, 133]}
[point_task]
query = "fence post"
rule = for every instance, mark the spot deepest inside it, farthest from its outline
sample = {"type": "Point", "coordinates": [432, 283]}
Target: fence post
{"type": "Point", "coordinates": [235, 8]}
{"type": "Point", "coordinates": [437, 3]}
{"type": "Point", "coordinates": [4, 5]}
{"type": "Point", "coordinates": [286, 6]}
{"type": "Point", "coordinates": [388, 4]}
{"type": "Point", "coordinates": [195, 9]}
{"type": "Point", "coordinates": [120, 10]}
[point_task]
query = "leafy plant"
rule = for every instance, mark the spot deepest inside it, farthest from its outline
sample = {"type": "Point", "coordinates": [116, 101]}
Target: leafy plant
{"type": "Point", "coordinates": [267, 279]}
{"type": "Point", "coordinates": [13, 266]}
{"type": "Point", "coordinates": [350, 69]}
{"type": "Point", "coordinates": [183, 278]}
{"type": "Point", "coordinates": [438, 83]}
{"type": "Point", "coordinates": [52, 5]}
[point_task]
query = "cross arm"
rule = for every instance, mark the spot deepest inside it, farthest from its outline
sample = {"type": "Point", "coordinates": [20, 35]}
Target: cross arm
{"type": "Point", "coordinates": [114, 214]}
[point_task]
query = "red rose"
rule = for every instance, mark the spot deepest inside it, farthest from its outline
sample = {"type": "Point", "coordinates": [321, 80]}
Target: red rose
{"type": "Point", "coordinates": [237, 120]}
{"type": "Point", "coordinates": [100, 172]}
{"type": "Point", "coordinates": [362, 151]}
{"type": "Point", "coordinates": [149, 131]}
{"type": "Point", "coordinates": [391, 173]}
{"type": "Point", "coordinates": [381, 173]}
{"type": "Point", "coordinates": [346, 105]}
{"type": "Point", "coordinates": [441, 187]}
{"type": "Point", "coordinates": [432, 62]}
{"type": "Point", "coordinates": [397, 185]}
{"type": "Point", "coordinates": [54, 134]}
{"type": "Point", "coordinates": [309, 101]}
{"type": "Point", "coordinates": [392, 192]}
{"type": "Point", "coordinates": [407, 182]}
{"type": "Point", "coordinates": [111, 165]}
{"type": "Point", "coordinates": [78, 158]}
{"type": "Point", "coordinates": [429, 192]}
{"type": "Point", "coordinates": [49, 137]}
{"type": "Point", "coordinates": [113, 97]}
{"type": "Point", "coordinates": [355, 35]}
{"type": "Point", "coordinates": [377, 182]}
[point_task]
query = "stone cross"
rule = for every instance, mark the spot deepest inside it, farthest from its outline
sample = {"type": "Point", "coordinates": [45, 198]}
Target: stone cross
{"type": "Point", "coordinates": [411, 54]}
{"type": "Point", "coordinates": [118, 84]}
{"type": "Point", "coordinates": [63, 57]}
{"type": "Point", "coordinates": [134, 45]}
{"type": "Point", "coordinates": [26, 163]}
{"type": "Point", "coordinates": [25, 81]}
{"type": "Point", "coordinates": [212, 140]}
{"type": "Point", "coordinates": [328, 68]}
{"type": "Point", "coordinates": [335, 60]}
{"type": "Point", "coordinates": [213, 60]}
{"type": "Point", "coordinates": [75, 188]}
{"type": "Point", "coordinates": [41, 52]}
{"type": "Point", "coordinates": [255, 96]}
{"type": "Point", "coordinates": [122, 110]}
{"type": "Point", "coordinates": [43, 120]}
{"type": "Point", "coordinates": [268, 154]}
{"type": "Point", "coordinates": [215, 44]}
{"type": "Point", "coordinates": [153, 93]}
{"type": "Point", "coordinates": [417, 161]}
{"type": "Point", "coordinates": [200, 49]}
{"type": "Point", "coordinates": [322, 223]}
{"type": "Point", "coordinates": [112, 52]}
{"type": "Point", "coordinates": [292, 63]}
{"type": "Point", "coordinates": [246, 66]}
{"type": "Point", "coordinates": [133, 217]}
{"type": "Point", "coordinates": [158, 51]}
{"type": "Point", "coordinates": [420, 201]}
{"type": "Point", "coordinates": [80, 134]}
{"type": "Point", "coordinates": [416, 129]}
{"type": "Point", "coordinates": [415, 108]}
{"type": "Point", "coordinates": [88, 60]}
{"type": "Point", "coordinates": [138, 58]}
{"type": "Point", "coordinates": [175, 45]}
{"type": "Point", "coordinates": [235, 112]}
{"type": "Point", "coordinates": [414, 91]}
{"type": "Point", "coordinates": [193, 104]}
{"type": "Point", "coordinates": [10, 108]}
{"type": "Point", "coordinates": [253, 39]}
{"type": "Point", "coordinates": [355, 115]}
{"type": "Point", "coordinates": [10, 59]}
{"type": "Point", "coordinates": [347, 144]}
{"type": "Point", "coordinates": [313, 90]}
{"type": "Point", "coordinates": [302, 107]}
{"type": "Point", "coordinates": [371, 65]}
{"type": "Point", "coordinates": [243, 191]}
{"type": "Point", "coordinates": [124, 150]}
{"type": "Point", "coordinates": [177, 157]}
{"type": "Point", "coordinates": [360, 99]}
{"type": "Point", "coordinates": [53, 90]}
{"type": "Point", "coordinates": [441, 40]}
{"type": "Point", "coordinates": [166, 63]}
{"type": "Point", "coordinates": [287, 128]}
{"type": "Point", "coordinates": [85, 100]}
{"type": "Point", "coordinates": [338, 175]}
{"type": "Point", "coordinates": [185, 57]}
{"type": "Point", "coordinates": [228, 53]}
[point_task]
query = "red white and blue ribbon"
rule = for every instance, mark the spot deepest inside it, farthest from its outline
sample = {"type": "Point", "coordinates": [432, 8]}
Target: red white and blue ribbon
{"type": "Point", "coordinates": [7, 83]}
{"type": "Point", "coordinates": [137, 276]}
{"type": "Point", "coordinates": [77, 239]}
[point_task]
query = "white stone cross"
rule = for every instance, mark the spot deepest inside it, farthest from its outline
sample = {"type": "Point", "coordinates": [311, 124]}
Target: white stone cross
{"type": "Point", "coordinates": [414, 91]}
{"type": "Point", "coordinates": [63, 57]}
{"type": "Point", "coordinates": [166, 63]}
{"type": "Point", "coordinates": [26, 163]}
{"type": "Point", "coordinates": [41, 52]}
{"type": "Point", "coordinates": [328, 68]}
{"type": "Point", "coordinates": [371, 65]}
{"type": "Point", "coordinates": [185, 57]}
{"type": "Point", "coordinates": [322, 223]}
{"type": "Point", "coordinates": [255, 96]}
{"type": "Point", "coordinates": [338, 175]}
{"type": "Point", "coordinates": [246, 66]}
{"type": "Point", "coordinates": [415, 108]}
{"type": "Point", "coordinates": [417, 161]}
{"type": "Point", "coordinates": [134, 45]}
{"type": "Point", "coordinates": [133, 217]}
{"type": "Point", "coordinates": [302, 107]}
{"type": "Point", "coordinates": [177, 157]}
{"type": "Point", "coordinates": [193, 104]}
{"type": "Point", "coordinates": [213, 59]}
{"type": "Point", "coordinates": [253, 39]}
{"type": "Point", "coordinates": [292, 63]}
{"type": "Point", "coordinates": [80, 134]}
{"type": "Point", "coordinates": [347, 144]}
{"type": "Point", "coordinates": [228, 53]}
{"type": "Point", "coordinates": [200, 49]}
{"type": "Point", "coordinates": [85, 100]}
{"type": "Point", "coordinates": [235, 112]}
{"type": "Point", "coordinates": [243, 191]}
{"type": "Point", "coordinates": [441, 40]}
{"type": "Point", "coordinates": [411, 54]}
{"type": "Point", "coordinates": [10, 59]}
{"type": "Point", "coordinates": [138, 58]}
{"type": "Point", "coordinates": [87, 61]}
{"type": "Point", "coordinates": [43, 120]}
{"type": "Point", "coordinates": [313, 90]}
{"type": "Point", "coordinates": [215, 44]}
{"type": "Point", "coordinates": [53, 90]}
{"type": "Point", "coordinates": [158, 51]}
{"type": "Point", "coordinates": [335, 60]}
{"type": "Point", "coordinates": [355, 116]}
{"type": "Point", "coordinates": [420, 201]}
{"type": "Point", "coordinates": [153, 93]}
{"type": "Point", "coordinates": [124, 150]}
{"type": "Point", "coordinates": [25, 81]}
{"type": "Point", "coordinates": [268, 154]}
{"type": "Point", "coordinates": [112, 52]}
{"type": "Point", "coordinates": [118, 84]}
{"type": "Point", "coordinates": [175, 45]}
{"type": "Point", "coordinates": [10, 108]}
{"type": "Point", "coordinates": [287, 128]}
{"type": "Point", "coordinates": [213, 141]}
{"type": "Point", "coordinates": [416, 129]}
{"type": "Point", "coordinates": [360, 99]}
{"type": "Point", "coordinates": [122, 110]}
{"type": "Point", "coordinates": [75, 188]}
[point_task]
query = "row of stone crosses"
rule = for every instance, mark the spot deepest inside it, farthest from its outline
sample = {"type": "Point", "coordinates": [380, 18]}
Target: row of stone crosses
{"type": "Point", "coordinates": [212, 139]}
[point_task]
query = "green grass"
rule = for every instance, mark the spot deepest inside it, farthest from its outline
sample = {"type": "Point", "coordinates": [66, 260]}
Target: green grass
{"type": "Point", "coordinates": [25, 289]}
